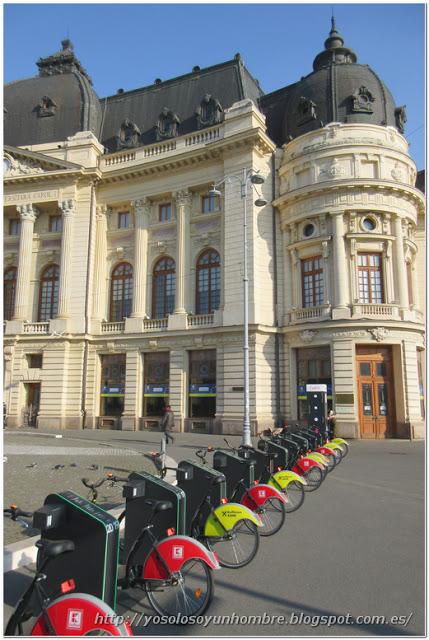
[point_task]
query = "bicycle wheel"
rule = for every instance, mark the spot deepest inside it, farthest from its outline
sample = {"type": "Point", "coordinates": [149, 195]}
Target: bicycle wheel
{"type": "Point", "coordinates": [295, 495]}
{"type": "Point", "coordinates": [314, 477]}
{"type": "Point", "coordinates": [81, 614]}
{"type": "Point", "coordinates": [332, 461]}
{"type": "Point", "coordinates": [239, 547]}
{"type": "Point", "coordinates": [272, 514]}
{"type": "Point", "coordinates": [339, 454]}
{"type": "Point", "coordinates": [189, 595]}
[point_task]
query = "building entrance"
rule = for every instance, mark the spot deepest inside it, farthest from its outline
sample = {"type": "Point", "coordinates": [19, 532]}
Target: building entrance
{"type": "Point", "coordinates": [32, 404]}
{"type": "Point", "coordinates": [375, 392]}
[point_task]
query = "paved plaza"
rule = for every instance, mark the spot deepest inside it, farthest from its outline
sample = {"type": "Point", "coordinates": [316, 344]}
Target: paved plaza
{"type": "Point", "coordinates": [355, 548]}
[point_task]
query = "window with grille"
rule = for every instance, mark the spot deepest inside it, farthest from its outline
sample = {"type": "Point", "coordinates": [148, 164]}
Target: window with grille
{"type": "Point", "coordinates": [210, 203]}
{"type": "Point", "coordinates": [14, 227]}
{"type": "Point", "coordinates": [312, 281]}
{"type": "Point", "coordinates": [163, 287]}
{"type": "Point", "coordinates": [208, 282]}
{"type": "Point", "coordinates": [121, 292]}
{"type": "Point", "coordinates": [55, 224]}
{"type": "Point", "coordinates": [48, 294]}
{"type": "Point", "coordinates": [370, 277]}
{"type": "Point", "coordinates": [165, 212]}
{"type": "Point", "coordinates": [9, 290]}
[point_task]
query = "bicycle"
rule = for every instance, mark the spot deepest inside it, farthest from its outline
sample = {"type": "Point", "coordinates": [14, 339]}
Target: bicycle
{"type": "Point", "coordinates": [175, 572]}
{"type": "Point", "coordinates": [93, 486]}
{"type": "Point", "coordinates": [295, 460]}
{"type": "Point", "coordinates": [17, 515]}
{"type": "Point", "coordinates": [228, 528]}
{"type": "Point", "coordinates": [270, 504]}
{"type": "Point", "coordinates": [66, 613]}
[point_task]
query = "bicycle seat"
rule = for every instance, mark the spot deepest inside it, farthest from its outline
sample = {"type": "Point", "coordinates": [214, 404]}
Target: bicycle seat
{"type": "Point", "coordinates": [54, 548]}
{"type": "Point", "coordinates": [159, 505]}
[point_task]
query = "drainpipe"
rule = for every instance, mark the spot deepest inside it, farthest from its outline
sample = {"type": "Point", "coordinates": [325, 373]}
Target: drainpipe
{"type": "Point", "coordinates": [275, 295]}
{"type": "Point", "coordinates": [89, 259]}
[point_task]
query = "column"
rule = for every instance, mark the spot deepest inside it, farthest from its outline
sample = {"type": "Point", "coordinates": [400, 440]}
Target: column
{"type": "Point", "coordinates": [400, 267]}
{"type": "Point", "coordinates": [388, 271]}
{"type": "Point", "coordinates": [287, 277]}
{"type": "Point", "coordinates": [182, 209]}
{"type": "Point", "coordinates": [340, 270]}
{"type": "Point", "coordinates": [28, 215]}
{"type": "Point", "coordinates": [326, 272]}
{"type": "Point", "coordinates": [100, 263]}
{"type": "Point", "coordinates": [142, 213]}
{"type": "Point", "coordinates": [68, 209]}
{"type": "Point", "coordinates": [415, 282]}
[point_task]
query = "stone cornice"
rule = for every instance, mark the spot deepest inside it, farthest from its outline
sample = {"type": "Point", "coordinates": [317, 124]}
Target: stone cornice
{"type": "Point", "coordinates": [344, 188]}
{"type": "Point", "coordinates": [37, 178]}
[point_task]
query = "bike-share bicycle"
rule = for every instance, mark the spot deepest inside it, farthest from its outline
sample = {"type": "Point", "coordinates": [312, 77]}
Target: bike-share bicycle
{"type": "Point", "coordinates": [265, 500]}
{"type": "Point", "coordinates": [230, 529]}
{"type": "Point", "coordinates": [311, 470]}
{"type": "Point", "coordinates": [65, 613]}
{"type": "Point", "coordinates": [174, 570]}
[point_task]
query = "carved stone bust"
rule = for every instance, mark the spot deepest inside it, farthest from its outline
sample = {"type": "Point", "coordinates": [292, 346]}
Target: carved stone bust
{"type": "Point", "coordinates": [167, 125]}
{"type": "Point", "coordinates": [209, 112]}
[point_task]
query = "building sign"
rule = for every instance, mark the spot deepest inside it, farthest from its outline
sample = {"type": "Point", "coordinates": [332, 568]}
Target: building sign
{"type": "Point", "coordinates": [31, 196]}
{"type": "Point", "coordinates": [112, 391]}
{"type": "Point", "coordinates": [303, 388]}
{"type": "Point", "coordinates": [202, 390]}
{"type": "Point", "coordinates": [316, 387]}
{"type": "Point", "coordinates": [156, 390]}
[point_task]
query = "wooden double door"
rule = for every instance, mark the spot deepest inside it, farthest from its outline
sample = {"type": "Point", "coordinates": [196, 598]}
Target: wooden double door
{"type": "Point", "coordinates": [375, 389]}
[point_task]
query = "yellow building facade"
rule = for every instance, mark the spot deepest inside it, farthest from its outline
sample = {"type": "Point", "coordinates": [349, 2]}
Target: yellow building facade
{"type": "Point", "coordinates": [123, 274]}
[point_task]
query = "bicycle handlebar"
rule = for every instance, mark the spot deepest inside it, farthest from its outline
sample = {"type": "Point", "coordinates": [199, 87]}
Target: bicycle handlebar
{"type": "Point", "coordinates": [15, 512]}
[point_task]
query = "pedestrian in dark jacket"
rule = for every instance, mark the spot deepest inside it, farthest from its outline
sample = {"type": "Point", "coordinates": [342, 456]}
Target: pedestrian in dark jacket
{"type": "Point", "coordinates": [167, 423]}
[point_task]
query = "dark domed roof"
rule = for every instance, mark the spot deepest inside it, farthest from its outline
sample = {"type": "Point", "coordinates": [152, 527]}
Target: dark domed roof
{"type": "Point", "coordinates": [56, 104]}
{"type": "Point", "coordinates": [338, 90]}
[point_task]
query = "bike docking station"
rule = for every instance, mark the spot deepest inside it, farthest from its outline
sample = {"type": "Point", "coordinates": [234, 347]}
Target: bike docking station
{"type": "Point", "coordinates": [239, 473]}
{"type": "Point", "coordinates": [276, 449]}
{"type": "Point", "coordinates": [264, 462]}
{"type": "Point", "coordinates": [140, 490]}
{"type": "Point", "coordinates": [201, 484]}
{"type": "Point", "coordinates": [95, 534]}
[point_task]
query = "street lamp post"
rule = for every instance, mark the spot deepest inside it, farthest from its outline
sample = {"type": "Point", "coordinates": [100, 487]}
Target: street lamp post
{"type": "Point", "coordinates": [249, 177]}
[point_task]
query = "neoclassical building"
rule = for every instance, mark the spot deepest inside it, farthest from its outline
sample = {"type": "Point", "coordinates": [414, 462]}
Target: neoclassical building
{"type": "Point", "coordinates": [123, 274]}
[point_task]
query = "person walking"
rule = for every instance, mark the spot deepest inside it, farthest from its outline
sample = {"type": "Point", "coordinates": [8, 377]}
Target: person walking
{"type": "Point", "coordinates": [167, 424]}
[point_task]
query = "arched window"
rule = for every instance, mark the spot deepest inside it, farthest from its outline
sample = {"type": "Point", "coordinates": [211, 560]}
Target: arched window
{"type": "Point", "coordinates": [208, 282]}
{"type": "Point", "coordinates": [48, 293]}
{"type": "Point", "coordinates": [121, 292]}
{"type": "Point", "coordinates": [163, 287]}
{"type": "Point", "coordinates": [9, 288]}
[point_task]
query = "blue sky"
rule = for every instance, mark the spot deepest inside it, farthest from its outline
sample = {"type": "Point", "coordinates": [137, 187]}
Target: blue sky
{"type": "Point", "coordinates": [129, 45]}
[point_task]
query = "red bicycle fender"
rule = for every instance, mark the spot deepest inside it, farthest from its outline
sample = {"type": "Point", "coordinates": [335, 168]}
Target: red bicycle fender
{"type": "Point", "coordinates": [175, 551]}
{"type": "Point", "coordinates": [305, 464]}
{"type": "Point", "coordinates": [260, 493]}
{"type": "Point", "coordinates": [325, 450]}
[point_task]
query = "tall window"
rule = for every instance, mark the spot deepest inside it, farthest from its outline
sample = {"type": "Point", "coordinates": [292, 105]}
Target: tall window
{"type": "Point", "coordinates": [14, 227]}
{"type": "Point", "coordinates": [208, 282]}
{"type": "Point", "coordinates": [112, 393]}
{"type": "Point", "coordinates": [124, 220]}
{"type": "Point", "coordinates": [210, 203]}
{"type": "Point", "coordinates": [312, 281]}
{"type": "Point", "coordinates": [9, 289]}
{"type": "Point", "coordinates": [163, 288]}
{"type": "Point", "coordinates": [48, 294]}
{"type": "Point", "coordinates": [55, 224]}
{"type": "Point", "coordinates": [165, 212]}
{"type": "Point", "coordinates": [370, 278]}
{"type": "Point", "coordinates": [121, 292]}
